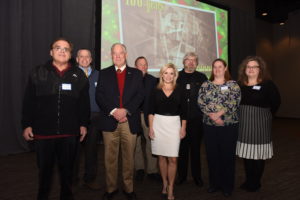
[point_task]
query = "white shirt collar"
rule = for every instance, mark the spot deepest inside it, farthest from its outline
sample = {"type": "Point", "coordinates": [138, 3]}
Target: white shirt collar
{"type": "Point", "coordinates": [122, 68]}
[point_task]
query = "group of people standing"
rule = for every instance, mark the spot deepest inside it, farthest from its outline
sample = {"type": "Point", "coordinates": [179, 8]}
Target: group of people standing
{"type": "Point", "coordinates": [64, 102]}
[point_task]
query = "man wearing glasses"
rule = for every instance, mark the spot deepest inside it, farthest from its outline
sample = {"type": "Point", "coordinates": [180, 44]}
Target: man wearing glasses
{"type": "Point", "coordinates": [55, 115]}
{"type": "Point", "coordinates": [189, 150]}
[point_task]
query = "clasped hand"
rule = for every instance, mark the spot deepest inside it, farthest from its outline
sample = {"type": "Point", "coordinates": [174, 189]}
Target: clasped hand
{"type": "Point", "coordinates": [120, 115]}
{"type": "Point", "coordinates": [216, 117]}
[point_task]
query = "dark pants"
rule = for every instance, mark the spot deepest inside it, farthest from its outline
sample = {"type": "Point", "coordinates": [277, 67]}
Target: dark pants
{"type": "Point", "coordinates": [190, 145]}
{"type": "Point", "coordinates": [50, 151]}
{"type": "Point", "coordinates": [220, 145]}
{"type": "Point", "coordinates": [254, 170]}
{"type": "Point", "coordinates": [90, 149]}
{"type": "Point", "coordinates": [89, 146]}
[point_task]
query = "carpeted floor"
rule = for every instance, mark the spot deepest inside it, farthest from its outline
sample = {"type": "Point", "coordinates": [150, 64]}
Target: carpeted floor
{"type": "Point", "coordinates": [281, 181]}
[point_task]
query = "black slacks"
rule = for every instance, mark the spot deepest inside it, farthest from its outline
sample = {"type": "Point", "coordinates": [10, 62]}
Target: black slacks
{"type": "Point", "coordinates": [61, 151]}
{"type": "Point", "coordinates": [190, 146]}
{"type": "Point", "coordinates": [90, 149]}
{"type": "Point", "coordinates": [220, 145]}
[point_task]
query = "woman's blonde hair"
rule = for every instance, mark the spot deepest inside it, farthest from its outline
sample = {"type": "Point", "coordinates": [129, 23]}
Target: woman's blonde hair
{"type": "Point", "coordinates": [161, 72]}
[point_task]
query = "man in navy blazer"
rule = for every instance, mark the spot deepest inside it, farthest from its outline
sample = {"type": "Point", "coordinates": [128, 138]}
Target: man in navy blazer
{"type": "Point", "coordinates": [119, 95]}
{"type": "Point", "coordinates": [149, 82]}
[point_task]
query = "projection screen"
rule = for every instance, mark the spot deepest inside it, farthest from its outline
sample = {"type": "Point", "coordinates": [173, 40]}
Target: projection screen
{"type": "Point", "coordinates": [164, 31]}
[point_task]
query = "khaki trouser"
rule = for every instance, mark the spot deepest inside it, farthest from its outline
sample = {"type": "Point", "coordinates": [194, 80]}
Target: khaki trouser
{"type": "Point", "coordinates": [121, 137]}
{"type": "Point", "coordinates": [139, 159]}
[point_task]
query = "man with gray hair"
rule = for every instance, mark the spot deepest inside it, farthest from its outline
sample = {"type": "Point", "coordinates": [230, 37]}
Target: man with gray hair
{"type": "Point", "coordinates": [191, 80]}
{"type": "Point", "coordinates": [119, 95]}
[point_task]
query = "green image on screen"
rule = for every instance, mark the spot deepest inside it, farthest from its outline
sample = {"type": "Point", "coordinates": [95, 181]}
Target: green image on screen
{"type": "Point", "coordinates": [164, 31]}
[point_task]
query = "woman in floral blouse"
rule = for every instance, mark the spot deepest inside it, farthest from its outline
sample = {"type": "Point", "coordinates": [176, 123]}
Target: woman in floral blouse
{"type": "Point", "coordinates": [219, 98]}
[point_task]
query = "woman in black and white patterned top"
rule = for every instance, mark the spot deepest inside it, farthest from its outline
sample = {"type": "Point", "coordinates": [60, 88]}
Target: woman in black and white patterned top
{"type": "Point", "coordinates": [219, 99]}
{"type": "Point", "coordinates": [260, 100]}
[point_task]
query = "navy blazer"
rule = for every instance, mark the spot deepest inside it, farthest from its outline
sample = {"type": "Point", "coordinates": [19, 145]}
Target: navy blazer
{"type": "Point", "coordinates": [107, 97]}
{"type": "Point", "coordinates": [149, 83]}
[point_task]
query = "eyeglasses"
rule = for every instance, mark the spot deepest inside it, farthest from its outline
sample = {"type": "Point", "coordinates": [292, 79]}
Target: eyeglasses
{"type": "Point", "coordinates": [61, 49]}
{"type": "Point", "coordinates": [191, 59]}
{"type": "Point", "coordinates": [252, 67]}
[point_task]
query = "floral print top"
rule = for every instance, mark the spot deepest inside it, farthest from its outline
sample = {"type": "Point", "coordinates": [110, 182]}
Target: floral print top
{"type": "Point", "coordinates": [213, 98]}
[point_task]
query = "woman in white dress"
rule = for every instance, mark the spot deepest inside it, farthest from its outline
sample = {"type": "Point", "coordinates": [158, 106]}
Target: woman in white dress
{"type": "Point", "coordinates": [167, 124]}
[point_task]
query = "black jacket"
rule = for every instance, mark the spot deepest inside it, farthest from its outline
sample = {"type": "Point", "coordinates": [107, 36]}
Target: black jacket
{"type": "Point", "coordinates": [191, 82]}
{"type": "Point", "coordinates": [56, 105]}
{"type": "Point", "coordinates": [150, 82]}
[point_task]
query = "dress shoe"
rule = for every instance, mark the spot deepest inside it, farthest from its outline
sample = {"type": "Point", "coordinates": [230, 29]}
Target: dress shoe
{"type": "Point", "coordinates": [93, 185]}
{"type": "Point", "coordinates": [226, 194]}
{"type": "Point", "coordinates": [164, 193]}
{"type": "Point", "coordinates": [109, 195]}
{"type": "Point", "coordinates": [253, 188]}
{"type": "Point", "coordinates": [154, 177]}
{"type": "Point", "coordinates": [198, 182]}
{"type": "Point", "coordinates": [212, 189]}
{"type": "Point", "coordinates": [139, 175]}
{"type": "Point", "coordinates": [244, 186]}
{"type": "Point", "coordinates": [130, 195]}
{"type": "Point", "coordinates": [171, 197]}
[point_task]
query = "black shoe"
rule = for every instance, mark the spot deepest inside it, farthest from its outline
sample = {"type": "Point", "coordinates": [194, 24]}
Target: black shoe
{"type": "Point", "coordinates": [180, 181]}
{"type": "Point", "coordinates": [254, 188]}
{"type": "Point", "coordinates": [109, 195]}
{"type": "Point", "coordinates": [244, 186]}
{"type": "Point", "coordinates": [130, 195]}
{"type": "Point", "coordinates": [139, 175]}
{"type": "Point", "coordinates": [154, 177]}
{"type": "Point", "coordinates": [226, 194]}
{"type": "Point", "coordinates": [164, 195]}
{"type": "Point", "coordinates": [92, 185]}
{"type": "Point", "coordinates": [198, 182]}
{"type": "Point", "coordinates": [212, 190]}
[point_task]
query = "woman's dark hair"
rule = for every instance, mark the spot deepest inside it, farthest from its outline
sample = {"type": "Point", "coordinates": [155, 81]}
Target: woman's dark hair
{"type": "Point", "coordinates": [227, 75]}
{"type": "Point", "coordinates": [263, 71]}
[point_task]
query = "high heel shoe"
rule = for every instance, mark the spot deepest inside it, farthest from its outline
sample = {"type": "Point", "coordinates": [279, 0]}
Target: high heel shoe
{"type": "Point", "coordinates": [170, 196]}
{"type": "Point", "coordinates": [164, 193]}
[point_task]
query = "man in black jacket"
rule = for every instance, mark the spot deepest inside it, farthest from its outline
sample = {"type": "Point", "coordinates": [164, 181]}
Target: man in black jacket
{"type": "Point", "coordinates": [191, 80]}
{"type": "Point", "coordinates": [56, 111]}
{"type": "Point", "coordinates": [149, 83]}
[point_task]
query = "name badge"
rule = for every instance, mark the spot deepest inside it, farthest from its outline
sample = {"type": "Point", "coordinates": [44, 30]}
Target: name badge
{"type": "Point", "coordinates": [95, 84]}
{"type": "Point", "coordinates": [188, 86]}
{"type": "Point", "coordinates": [224, 87]}
{"type": "Point", "coordinates": [66, 86]}
{"type": "Point", "coordinates": [256, 87]}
